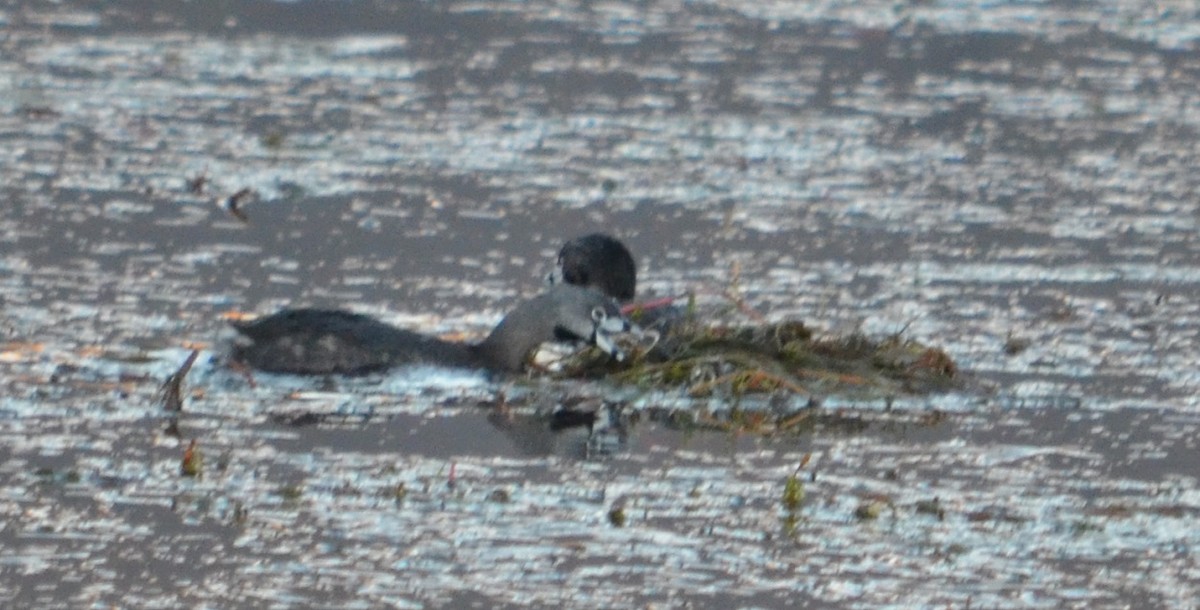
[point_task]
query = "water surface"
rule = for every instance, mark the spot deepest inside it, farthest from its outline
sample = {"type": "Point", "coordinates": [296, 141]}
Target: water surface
{"type": "Point", "coordinates": [1014, 183]}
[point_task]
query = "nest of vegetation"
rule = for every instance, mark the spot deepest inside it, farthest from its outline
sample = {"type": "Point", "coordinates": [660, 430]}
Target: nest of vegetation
{"type": "Point", "coordinates": [770, 358]}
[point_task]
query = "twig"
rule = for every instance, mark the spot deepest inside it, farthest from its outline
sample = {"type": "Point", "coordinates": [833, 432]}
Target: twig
{"type": "Point", "coordinates": [171, 391]}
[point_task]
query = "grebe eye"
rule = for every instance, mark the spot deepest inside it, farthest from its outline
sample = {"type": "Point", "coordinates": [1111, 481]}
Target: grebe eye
{"type": "Point", "coordinates": [598, 314]}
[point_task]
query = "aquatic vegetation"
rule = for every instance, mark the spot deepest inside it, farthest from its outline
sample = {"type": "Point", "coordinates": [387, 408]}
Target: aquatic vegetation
{"type": "Point", "coordinates": [399, 492]}
{"type": "Point", "coordinates": [793, 493]}
{"type": "Point", "coordinates": [192, 464]}
{"type": "Point", "coordinates": [871, 509]}
{"type": "Point", "coordinates": [931, 507]}
{"type": "Point", "coordinates": [51, 476]}
{"type": "Point", "coordinates": [1014, 345]}
{"type": "Point", "coordinates": [793, 488]}
{"type": "Point", "coordinates": [291, 492]}
{"type": "Point", "coordinates": [616, 516]}
{"type": "Point", "coordinates": [273, 140]}
{"type": "Point", "coordinates": [763, 358]}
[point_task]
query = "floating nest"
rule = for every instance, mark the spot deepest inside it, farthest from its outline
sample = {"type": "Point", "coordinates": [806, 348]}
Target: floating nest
{"type": "Point", "coordinates": [770, 358]}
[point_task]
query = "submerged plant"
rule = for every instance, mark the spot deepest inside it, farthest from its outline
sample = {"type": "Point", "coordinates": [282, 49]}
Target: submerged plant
{"type": "Point", "coordinates": [616, 516]}
{"type": "Point", "coordinates": [931, 507]}
{"type": "Point", "coordinates": [871, 508]}
{"type": "Point", "coordinates": [783, 357]}
{"type": "Point", "coordinates": [399, 492]}
{"type": "Point", "coordinates": [291, 493]}
{"type": "Point", "coordinates": [192, 464]}
{"type": "Point", "coordinates": [793, 488]}
{"type": "Point", "coordinates": [793, 492]}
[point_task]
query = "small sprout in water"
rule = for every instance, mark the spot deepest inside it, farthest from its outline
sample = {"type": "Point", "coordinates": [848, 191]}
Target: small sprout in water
{"type": "Point", "coordinates": [291, 492]}
{"type": "Point", "coordinates": [793, 488]}
{"type": "Point", "coordinates": [790, 522]}
{"type": "Point", "coordinates": [931, 507]}
{"type": "Point", "coordinates": [793, 492]}
{"type": "Point", "coordinates": [193, 461]}
{"type": "Point", "coordinates": [869, 510]}
{"type": "Point", "coordinates": [1015, 345]}
{"type": "Point", "coordinates": [616, 516]}
{"type": "Point", "coordinates": [273, 139]}
{"type": "Point", "coordinates": [240, 513]}
{"type": "Point", "coordinates": [196, 185]}
{"type": "Point", "coordinates": [399, 492]}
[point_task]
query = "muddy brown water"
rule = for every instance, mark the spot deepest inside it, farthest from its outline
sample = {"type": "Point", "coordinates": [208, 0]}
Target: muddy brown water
{"type": "Point", "coordinates": [1015, 183]}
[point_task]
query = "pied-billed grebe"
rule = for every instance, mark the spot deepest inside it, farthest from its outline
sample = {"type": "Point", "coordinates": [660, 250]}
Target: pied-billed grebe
{"type": "Point", "coordinates": [599, 261]}
{"type": "Point", "coordinates": [602, 262]}
{"type": "Point", "coordinates": [320, 341]}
